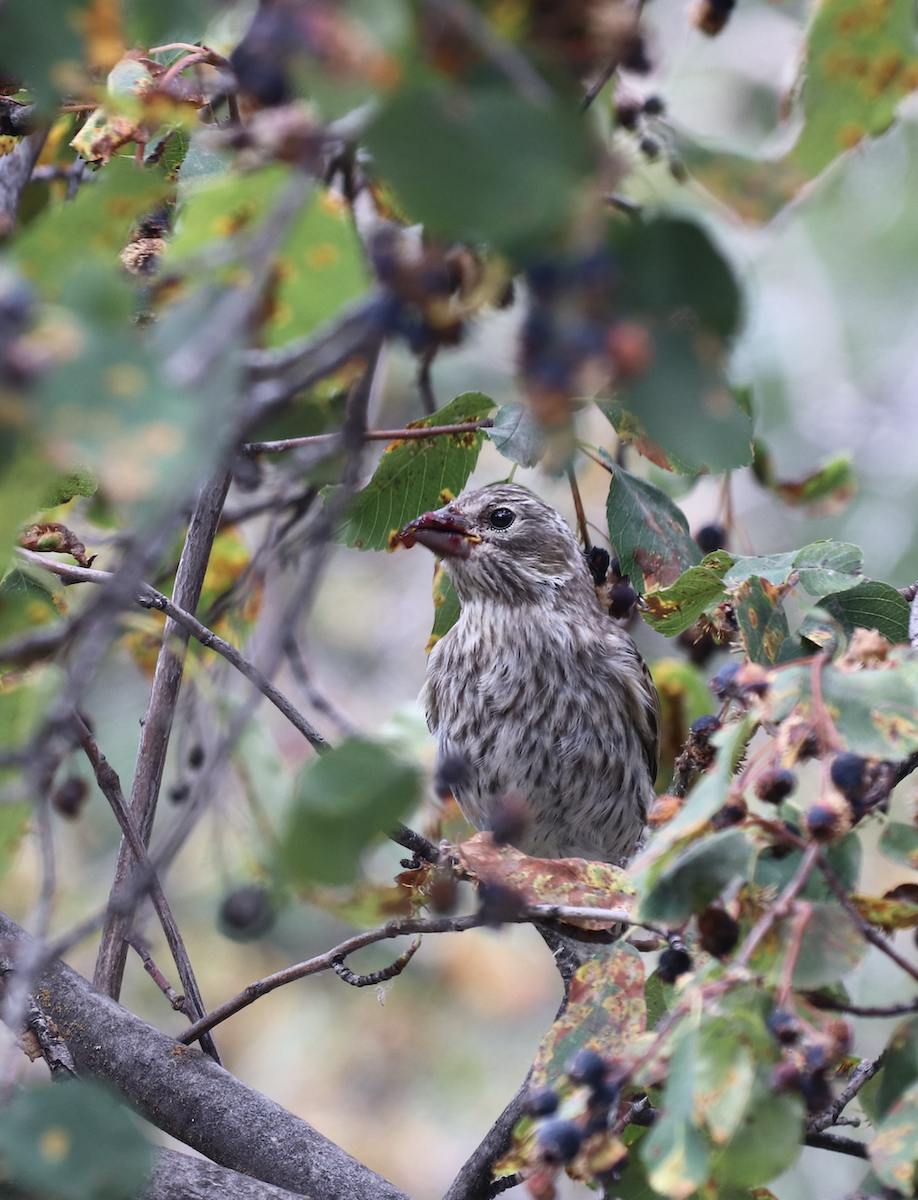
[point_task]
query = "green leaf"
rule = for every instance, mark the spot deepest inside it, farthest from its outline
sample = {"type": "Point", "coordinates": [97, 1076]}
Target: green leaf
{"type": "Point", "coordinates": [767, 1142]}
{"type": "Point", "coordinates": [444, 148]}
{"type": "Point", "coordinates": [871, 605]}
{"type": "Point", "coordinates": [899, 843]}
{"type": "Point", "coordinates": [74, 1141]}
{"type": "Point", "coordinates": [828, 488]}
{"type": "Point", "coordinates": [343, 800]}
{"type": "Point", "coordinates": [674, 1151]}
{"type": "Point", "coordinates": [68, 238]}
{"type": "Point", "coordinates": [37, 39]}
{"type": "Point", "coordinates": [900, 1065]}
{"type": "Point", "coordinates": [894, 1150]}
{"type": "Point", "coordinates": [446, 606]}
{"type": "Point", "coordinates": [606, 1013]}
{"type": "Point", "coordinates": [658, 996]}
{"type": "Point", "coordinates": [861, 62]}
{"type": "Point", "coordinates": [80, 481]}
{"type": "Point", "coordinates": [875, 711]}
{"type": "Point", "coordinates": [29, 597]}
{"type": "Point", "coordinates": [724, 1077]}
{"type": "Point", "coordinates": [776, 568]}
{"type": "Point", "coordinates": [23, 701]}
{"type": "Point", "coordinates": [15, 820]}
{"type": "Point", "coordinates": [696, 877]}
{"type": "Point", "coordinates": [415, 475]}
{"type": "Point", "coordinates": [672, 610]}
{"type": "Point", "coordinates": [827, 567]}
{"type": "Point", "coordinates": [649, 532]}
{"type": "Point", "coordinates": [517, 435]}
{"type": "Point", "coordinates": [777, 872]}
{"type": "Point", "coordinates": [761, 618]}
{"type": "Point", "coordinates": [320, 266]}
{"type": "Point", "coordinates": [832, 947]}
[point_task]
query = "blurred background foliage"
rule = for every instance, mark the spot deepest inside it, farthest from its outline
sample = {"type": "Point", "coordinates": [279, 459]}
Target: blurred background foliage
{"type": "Point", "coordinates": [772, 152]}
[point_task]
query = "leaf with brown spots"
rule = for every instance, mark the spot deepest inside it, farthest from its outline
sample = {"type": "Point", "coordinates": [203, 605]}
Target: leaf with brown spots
{"type": "Point", "coordinates": [889, 912]}
{"type": "Point", "coordinates": [649, 532]}
{"type": "Point", "coordinates": [413, 475]}
{"type": "Point", "coordinates": [573, 882]}
{"type": "Point", "coordinates": [605, 1013]}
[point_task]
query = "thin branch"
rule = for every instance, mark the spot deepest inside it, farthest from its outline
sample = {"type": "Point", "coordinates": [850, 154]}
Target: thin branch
{"type": "Point", "coordinates": [419, 846]}
{"type": "Point", "coordinates": [157, 723]}
{"type": "Point", "coordinates": [841, 1145]}
{"type": "Point", "coordinates": [370, 435]}
{"type": "Point", "coordinates": [110, 786]}
{"type": "Point", "coordinates": [376, 977]}
{"type": "Point", "coordinates": [830, 1003]}
{"type": "Point", "coordinates": [871, 934]}
{"type": "Point", "coordinates": [151, 598]}
{"type": "Point", "coordinates": [318, 701]}
{"type": "Point", "coordinates": [578, 505]}
{"type": "Point", "coordinates": [325, 962]}
{"type": "Point", "coordinates": [177, 1001]}
{"type": "Point", "coordinates": [595, 88]}
{"type": "Point", "coordinates": [864, 1072]}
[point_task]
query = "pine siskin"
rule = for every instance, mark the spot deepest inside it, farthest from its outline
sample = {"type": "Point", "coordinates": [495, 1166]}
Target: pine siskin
{"type": "Point", "coordinates": [535, 688]}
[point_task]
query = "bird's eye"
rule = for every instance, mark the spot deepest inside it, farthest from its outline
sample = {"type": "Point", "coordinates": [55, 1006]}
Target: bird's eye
{"type": "Point", "coordinates": [502, 518]}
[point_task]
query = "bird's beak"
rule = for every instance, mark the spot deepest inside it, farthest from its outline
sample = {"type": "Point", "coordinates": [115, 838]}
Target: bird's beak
{"type": "Point", "coordinates": [443, 531]}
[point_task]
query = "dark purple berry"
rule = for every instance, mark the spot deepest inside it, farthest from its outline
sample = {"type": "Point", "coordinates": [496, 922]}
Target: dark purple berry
{"type": "Point", "coordinates": [650, 147]}
{"type": "Point", "coordinates": [541, 1102]}
{"type": "Point", "coordinates": [559, 1140]}
{"type": "Point", "coordinates": [672, 964]}
{"type": "Point", "coordinates": [702, 728]}
{"type": "Point", "coordinates": [246, 913]}
{"type": "Point", "coordinates": [69, 798]}
{"type": "Point", "coordinates": [827, 822]}
{"type": "Point", "coordinates": [453, 771]}
{"type": "Point", "coordinates": [724, 682]}
{"type": "Point", "coordinates": [598, 563]}
{"type": "Point", "coordinates": [622, 599]}
{"type": "Point", "coordinates": [784, 1026]}
{"type": "Point", "coordinates": [587, 1067]}
{"type": "Point", "coordinates": [730, 814]}
{"type": "Point", "coordinates": [179, 792]}
{"type": "Point", "coordinates": [498, 904]}
{"type": "Point", "coordinates": [626, 115]}
{"type": "Point", "coordinates": [816, 1091]}
{"type": "Point", "coordinates": [718, 931]}
{"type": "Point", "coordinates": [711, 538]}
{"type": "Point", "coordinates": [847, 773]}
{"type": "Point", "coordinates": [775, 786]}
{"type": "Point", "coordinates": [196, 757]}
{"type": "Point", "coordinates": [654, 106]}
{"type": "Point", "coordinates": [509, 819]}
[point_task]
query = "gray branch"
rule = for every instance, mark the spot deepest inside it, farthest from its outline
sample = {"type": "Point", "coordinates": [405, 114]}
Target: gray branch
{"type": "Point", "coordinates": [181, 1177]}
{"type": "Point", "coordinates": [15, 173]}
{"type": "Point", "coordinates": [183, 1092]}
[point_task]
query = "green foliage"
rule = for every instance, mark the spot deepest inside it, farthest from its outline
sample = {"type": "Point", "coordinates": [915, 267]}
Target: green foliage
{"type": "Point", "coordinates": [343, 800]}
{"type": "Point", "coordinates": [900, 1065]}
{"type": "Point", "coordinates": [444, 148]}
{"type": "Point", "coordinates": [415, 475]}
{"type": "Point", "coordinates": [28, 597]}
{"type": "Point", "coordinates": [649, 532]}
{"type": "Point", "coordinates": [870, 605]}
{"type": "Point", "coordinates": [80, 481]}
{"type": "Point", "coordinates": [73, 1141]}
{"type": "Point", "coordinates": [861, 63]}
{"type": "Point", "coordinates": [894, 1150]}
{"type": "Point", "coordinates": [37, 39]}
{"type": "Point", "coordinates": [678, 285]}
{"type": "Point", "coordinates": [517, 435]}
{"type": "Point", "coordinates": [696, 877]}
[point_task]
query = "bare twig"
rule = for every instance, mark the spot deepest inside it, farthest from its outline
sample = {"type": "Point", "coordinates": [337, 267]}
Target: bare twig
{"type": "Point", "coordinates": [177, 1001]}
{"type": "Point", "coordinates": [151, 598]}
{"type": "Point", "coordinates": [871, 934]}
{"type": "Point", "coordinates": [110, 786]}
{"type": "Point", "coordinates": [318, 701]}
{"type": "Point", "coordinates": [596, 87]}
{"type": "Point", "coordinates": [325, 962]}
{"type": "Point", "coordinates": [818, 1000]}
{"type": "Point", "coordinates": [370, 435]}
{"type": "Point", "coordinates": [375, 977]}
{"type": "Point", "coordinates": [157, 723]}
{"type": "Point", "coordinates": [15, 172]}
{"type": "Point", "coordinates": [840, 1145]}
{"type": "Point", "coordinates": [863, 1072]}
{"type": "Point", "coordinates": [419, 846]}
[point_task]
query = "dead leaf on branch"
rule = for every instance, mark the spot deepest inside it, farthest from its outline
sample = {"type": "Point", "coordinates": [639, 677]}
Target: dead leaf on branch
{"type": "Point", "coordinates": [52, 538]}
{"type": "Point", "coordinates": [572, 882]}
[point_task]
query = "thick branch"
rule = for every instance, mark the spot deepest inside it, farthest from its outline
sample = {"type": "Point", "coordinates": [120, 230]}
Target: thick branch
{"type": "Point", "coordinates": [15, 172]}
{"type": "Point", "coordinates": [181, 1177]}
{"type": "Point", "coordinates": [184, 1093]}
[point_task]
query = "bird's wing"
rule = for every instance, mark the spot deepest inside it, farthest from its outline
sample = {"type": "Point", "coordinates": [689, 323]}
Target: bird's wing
{"type": "Point", "coordinates": [654, 716]}
{"type": "Point", "coordinates": [647, 713]}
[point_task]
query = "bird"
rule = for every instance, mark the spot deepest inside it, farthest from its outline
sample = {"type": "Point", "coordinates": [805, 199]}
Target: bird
{"type": "Point", "coordinates": [536, 692]}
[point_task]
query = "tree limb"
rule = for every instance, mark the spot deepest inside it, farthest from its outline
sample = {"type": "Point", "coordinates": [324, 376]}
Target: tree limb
{"type": "Point", "coordinates": [181, 1177]}
{"type": "Point", "coordinates": [15, 172]}
{"type": "Point", "coordinates": [184, 1093]}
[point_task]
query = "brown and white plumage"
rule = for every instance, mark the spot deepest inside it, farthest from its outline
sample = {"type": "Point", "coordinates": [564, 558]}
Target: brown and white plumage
{"type": "Point", "coordinates": [535, 687]}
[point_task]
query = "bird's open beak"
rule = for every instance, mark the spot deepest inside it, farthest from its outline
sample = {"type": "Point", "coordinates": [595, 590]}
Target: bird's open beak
{"type": "Point", "coordinates": [443, 531]}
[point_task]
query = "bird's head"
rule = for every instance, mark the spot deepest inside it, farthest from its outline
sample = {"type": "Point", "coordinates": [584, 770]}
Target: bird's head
{"type": "Point", "coordinates": [504, 544]}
